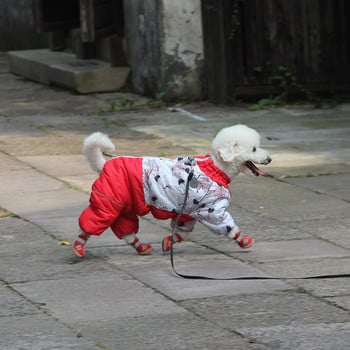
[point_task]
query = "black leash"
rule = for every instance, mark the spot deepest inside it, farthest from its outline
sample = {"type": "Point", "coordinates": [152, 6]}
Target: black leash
{"type": "Point", "coordinates": [241, 278]}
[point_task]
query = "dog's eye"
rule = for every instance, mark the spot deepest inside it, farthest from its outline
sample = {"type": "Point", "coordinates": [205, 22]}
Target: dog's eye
{"type": "Point", "coordinates": [254, 149]}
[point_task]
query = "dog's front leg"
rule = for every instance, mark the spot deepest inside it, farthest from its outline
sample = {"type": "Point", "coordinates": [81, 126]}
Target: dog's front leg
{"type": "Point", "coordinates": [243, 241]}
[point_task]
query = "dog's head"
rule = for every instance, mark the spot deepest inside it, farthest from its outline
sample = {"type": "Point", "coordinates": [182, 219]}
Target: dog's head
{"type": "Point", "coordinates": [237, 149]}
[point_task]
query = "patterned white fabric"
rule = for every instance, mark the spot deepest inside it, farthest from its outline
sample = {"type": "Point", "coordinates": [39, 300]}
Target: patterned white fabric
{"type": "Point", "coordinates": [164, 182]}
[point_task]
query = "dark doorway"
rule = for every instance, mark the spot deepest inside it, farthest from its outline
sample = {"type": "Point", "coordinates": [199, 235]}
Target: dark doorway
{"type": "Point", "coordinates": [94, 21]}
{"type": "Point", "coordinates": [252, 47]}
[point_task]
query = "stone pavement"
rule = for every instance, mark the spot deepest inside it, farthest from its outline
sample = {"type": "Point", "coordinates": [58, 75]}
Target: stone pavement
{"type": "Point", "coordinates": [115, 299]}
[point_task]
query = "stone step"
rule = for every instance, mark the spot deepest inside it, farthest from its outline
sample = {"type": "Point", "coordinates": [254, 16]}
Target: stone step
{"type": "Point", "coordinates": [64, 69]}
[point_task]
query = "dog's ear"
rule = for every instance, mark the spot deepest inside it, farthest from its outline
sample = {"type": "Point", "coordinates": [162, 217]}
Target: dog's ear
{"type": "Point", "coordinates": [227, 152]}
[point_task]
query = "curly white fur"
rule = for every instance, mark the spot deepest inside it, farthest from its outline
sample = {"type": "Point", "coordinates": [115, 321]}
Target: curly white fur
{"type": "Point", "coordinates": [92, 149]}
{"type": "Point", "coordinates": [234, 146]}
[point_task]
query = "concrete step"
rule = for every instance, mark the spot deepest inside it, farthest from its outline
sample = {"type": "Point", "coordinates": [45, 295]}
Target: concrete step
{"type": "Point", "coordinates": [64, 69]}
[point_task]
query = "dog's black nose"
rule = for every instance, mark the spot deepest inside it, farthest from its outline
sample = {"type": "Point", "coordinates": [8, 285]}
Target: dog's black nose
{"type": "Point", "coordinates": [268, 160]}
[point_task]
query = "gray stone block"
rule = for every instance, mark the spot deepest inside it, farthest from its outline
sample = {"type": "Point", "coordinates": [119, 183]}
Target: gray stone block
{"type": "Point", "coordinates": [35, 332]}
{"type": "Point", "coordinates": [341, 301]}
{"type": "Point", "coordinates": [172, 332]}
{"type": "Point", "coordinates": [88, 76]}
{"type": "Point", "coordinates": [35, 64]}
{"type": "Point", "coordinates": [334, 185]}
{"type": "Point", "coordinates": [64, 69]}
{"type": "Point", "coordinates": [298, 337]}
{"type": "Point", "coordinates": [294, 250]}
{"type": "Point", "coordinates": [267, 310]}
{"type": "Point", "coordinates": [12, 304]}
{"type": "Point", "coordinates": [163, 279]}
{"type": "Point", "coordinates": [46, 260]}
{"type": "Point", "coordinates": [103, 297]}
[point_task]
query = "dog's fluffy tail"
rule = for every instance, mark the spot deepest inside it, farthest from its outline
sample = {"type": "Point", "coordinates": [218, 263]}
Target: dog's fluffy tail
{"type": "Point", "coordinates": [92, 148]}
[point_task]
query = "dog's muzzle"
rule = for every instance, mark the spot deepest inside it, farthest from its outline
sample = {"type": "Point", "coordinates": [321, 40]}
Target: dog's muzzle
{"type": "Point", "coordinates": [268, 160]}
{"type": "Point", "coordinates": [255, 170]}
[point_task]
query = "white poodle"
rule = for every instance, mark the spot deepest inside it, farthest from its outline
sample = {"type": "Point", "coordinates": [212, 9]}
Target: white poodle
{"type": "Point", "coordinates": [196, 187]}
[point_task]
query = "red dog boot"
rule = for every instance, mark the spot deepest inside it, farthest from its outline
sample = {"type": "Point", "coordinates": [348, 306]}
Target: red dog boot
{"type": "Point", "coordinates": [166, 243]}
{"type": "Point", "coordinates": [243, 241]}
{"type": "Point", "coordinates": [79, 245]}
{"type": "Point", "coordinates": [141, 248]}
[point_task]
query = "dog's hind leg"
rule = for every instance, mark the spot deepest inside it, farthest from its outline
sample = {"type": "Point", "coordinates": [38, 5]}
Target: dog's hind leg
{"type": "Point", "coordinates": [79, 245]}
{"type": "Point", "coordinates": [134, 241]}
{"type": "Point", "coordinates": [129, 222]}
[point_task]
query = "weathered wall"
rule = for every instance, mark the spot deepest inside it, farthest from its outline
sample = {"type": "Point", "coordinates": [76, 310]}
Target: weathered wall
{"type": "Point", "coordinates": [183, 58]}
{"type": "Point", "coordinates": [164, 45]}
{"type": "Point", "coordinates": [16, 32]}
{"type": "Point", "coordinates": [143, 29]}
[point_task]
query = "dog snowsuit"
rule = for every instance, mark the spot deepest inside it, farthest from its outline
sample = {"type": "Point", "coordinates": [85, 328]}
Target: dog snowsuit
{"type": "Point", "coordinates": [129, 187]}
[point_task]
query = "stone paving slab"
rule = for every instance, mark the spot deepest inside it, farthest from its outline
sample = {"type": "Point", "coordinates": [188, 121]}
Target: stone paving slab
{"type": "Point", "coordinates": [15, 230]}
{"type": "Point", "coordinates": [33, 101]}
{"type": "Point", "coordinates": [266, 310]}
{"type": "Point", "coordinates": [311, 267]}
{"type": "Point", "coordinates": [332, 288]}
{"type": "Point", "coordinates": [61, 226]}
{"type": "Point", "coordinates": [12, 164]}
{"type": "Point", "coordinates": [163, 279]}
{"type": "Point", "coordinates": [41, 204]}
{"type": "Point", "coordinates": [177, 137]}
{"type": "Point", "coordinates": [3, 63]}
{"type": "Point", "coordinates": [334, 185]}
{"type": "Point", "coordinates": [33, 332]}
{"type": "Point", "coordinates": [13, 182]}
{"type": "Point", "coordinates": [71, 164]}
{"type": "Point", "coordinates": [173, 332]}
{"type": "Point", "coordinates": [335, 231]}
{"type": "Point", "coordinates": [46, 261]}
{"type": "Point", "coordinates": [125, 257]}
{"type": "Point", "coordinates": [79, 182]}
{"type": "Point", "coordinates": [269, 251]}
{"type": "Point", "coordinates": [63, 134]}
{"type": "Point", "coordinates": [299, 337]}
{"type": "Point", "coordinates": [306, 166]}
{"type": "Point", "coordinates": [15, 85]}
{"type": "Point", "coordinates": [267, 197]}
{"type": "Point", "coordinates": [11, 129]}
{"type": "Point", "coordinates": [55, 143]}
{"type": "Point", "coordinates": [264, 228]}
{"type": "Point", "coordinates": [79, 300]}
{"type": "Point", "coordinates": [341, 301]}
{"type": "Point", "coordinates": [293, 250]}
{"type": "Point", "coordinates": [74, 169]}
{"type": "Point", "coordinates": [12, 304]}
{"type": "Point", "coordinates": [4, 213]}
